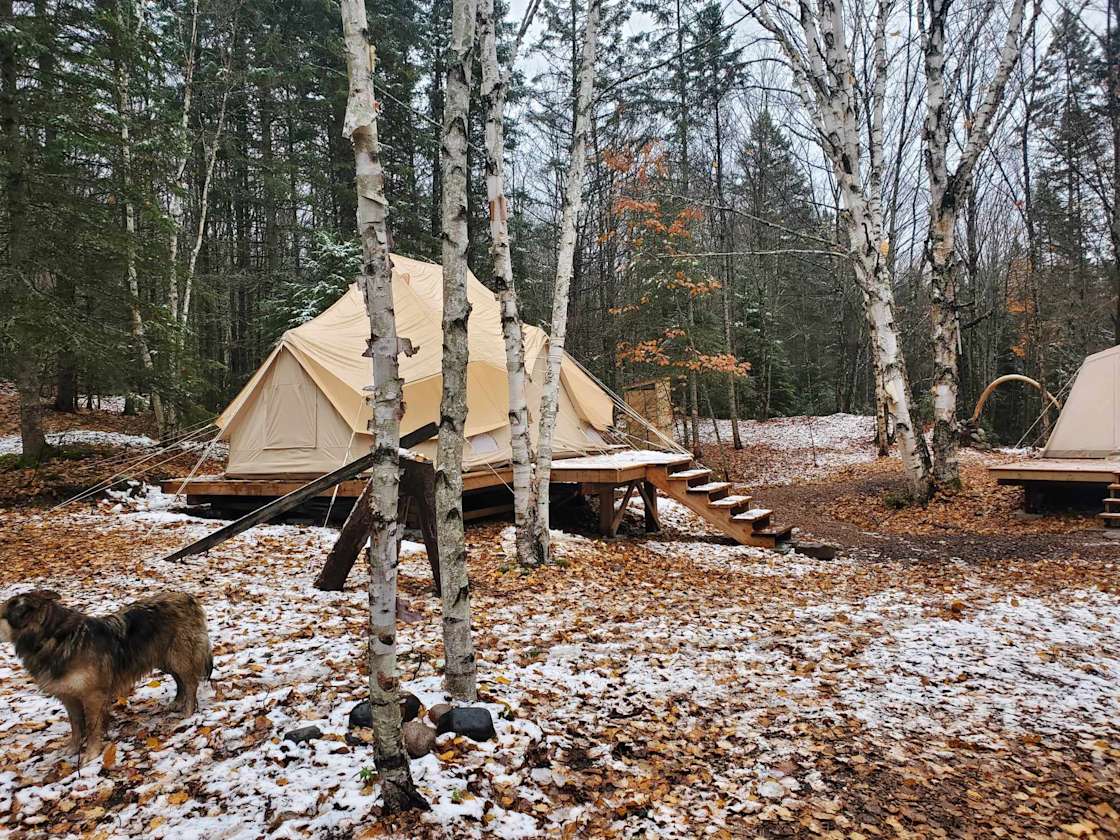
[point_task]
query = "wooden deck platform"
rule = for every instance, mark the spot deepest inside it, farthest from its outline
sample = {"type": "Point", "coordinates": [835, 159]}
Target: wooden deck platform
{"type": "Point", "coordinates": [1061, 470]}
{"type": "Point", "coordinates": [1038, 476]}
{"type": "Point", "coordinates": [603, 476]}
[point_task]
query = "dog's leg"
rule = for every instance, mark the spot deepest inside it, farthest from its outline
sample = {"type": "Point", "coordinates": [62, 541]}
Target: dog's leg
{"type": "Point", "coordinates": [180, 694]}
{"type": "Point", "coordinates": [77, 723]}
{"type": "Point", "coordinates": [94, 708]}
{"type": "Point", "coordinates": [186, 694]}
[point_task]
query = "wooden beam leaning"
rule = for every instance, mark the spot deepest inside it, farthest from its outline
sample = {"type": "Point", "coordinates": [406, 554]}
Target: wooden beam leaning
{"type": "Point", "coordinates": [291, 500]}
{"type": "Point", "coordinates": [417, 487]}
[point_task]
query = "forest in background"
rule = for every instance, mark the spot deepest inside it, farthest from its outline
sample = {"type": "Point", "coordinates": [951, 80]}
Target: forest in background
{"type": "Point", "coordinates": [178, 192]}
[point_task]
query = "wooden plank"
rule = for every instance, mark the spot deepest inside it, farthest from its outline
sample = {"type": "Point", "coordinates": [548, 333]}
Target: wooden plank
{"type": "Point", "coordinates": [607, 525]}
{"type": "Point", "coordinates": [294, 498]}
{"type": "Point", "coordinates": [649, 499]}
{"type": "Point", "coordinates": [621, 511]}
{"type": "Point", "coordinates": [273, 508]}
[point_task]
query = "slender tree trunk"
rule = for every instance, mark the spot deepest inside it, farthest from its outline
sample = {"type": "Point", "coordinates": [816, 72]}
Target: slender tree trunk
{"type": "Point", "coordinates": [690, 310]}
{"type": "Point", "coordinates": [728, 278]}
{"type": "Point", "coordinates": [397, 789]}
{"type": "Point", "coordinates": [459, 670]}
{"type": "Point", "coordinates": [948, 190]}
{"type": "Point", "coordinates": [494, 85]}
{"type": "Point", "coordinates": [573, 203]}
{"type": "Point", "coordinates": [124, 112]}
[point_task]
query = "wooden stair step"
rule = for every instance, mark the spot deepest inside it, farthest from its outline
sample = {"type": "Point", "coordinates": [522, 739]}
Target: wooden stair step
{"type": "Point", "coordinates": [732, 503]}
{"type": "Point", "coordinates": [778, 532]}
{"type": "Point", "coordinates": [688, 475]}
{"type": "Point", "coordinates": [1114, 487]}
{"type": "Point", "coordinates": [1112, 516]}
{"type": "Point", "coordinates": [1111, 500]}
{"type": "Point", "coordinates": [710, 487]}
{"type": "Point", "coordinates": [750, 517]}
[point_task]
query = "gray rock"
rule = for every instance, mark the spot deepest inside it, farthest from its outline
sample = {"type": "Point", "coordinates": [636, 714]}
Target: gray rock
{"type": "Point", "coordinates": [304, 733]}
{"type": "Point", "coordinates": [410, 707]}
{"type": "Point", "coordinates": [419, 738]}
{"type": "Point", "coordinates": [469, 721]}
{"type": "Point", "coordinates": [361, 715]}
{"type": "Point", "coordinates": [437, 711]}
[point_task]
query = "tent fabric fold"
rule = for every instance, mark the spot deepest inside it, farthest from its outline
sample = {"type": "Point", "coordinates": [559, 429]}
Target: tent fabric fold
{"type": "Point", "coordinates": [303, 412]}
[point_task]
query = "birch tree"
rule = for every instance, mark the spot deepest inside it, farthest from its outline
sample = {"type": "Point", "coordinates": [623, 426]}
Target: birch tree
{"type": "Point", "coordinates": [397, 789]}
{"type": "Point", "coordinates": [820, 58]}
{"type": "Point", "coordinates": [948, 191]}
{"type": "Point", "coordinates": [459, 668]}
{"type": "Point", "coordinates": [129, 19]}
{"type": "Point", "coordinates": [573, 203]}
{"type": "Point", "coordinates": [495, 82]}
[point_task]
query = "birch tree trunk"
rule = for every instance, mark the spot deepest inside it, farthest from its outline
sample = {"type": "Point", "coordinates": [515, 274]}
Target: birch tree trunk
{"type": "Point", "coordinates": [458, 649]}
{"type": "Point", "coordinates": [494, 85]}
{"type": "Point", "coordinates": [573, 203]}
{"type": "Point", "coordinates": [825, 81]}
{"type": "Point", "coordinates": [948, 191]}
{"type": "Point", "coordinates": [397, 789]}
{"type": "Point", "coordinates": [728, 279]}
{"type": "Point", "coordinates": [124, 114]}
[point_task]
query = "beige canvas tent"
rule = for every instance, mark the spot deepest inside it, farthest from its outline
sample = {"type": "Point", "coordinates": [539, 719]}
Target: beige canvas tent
{"type": "Point", "coordinates": [1089, 425]}
{"type": "Point", "coordinates": [303, 412]}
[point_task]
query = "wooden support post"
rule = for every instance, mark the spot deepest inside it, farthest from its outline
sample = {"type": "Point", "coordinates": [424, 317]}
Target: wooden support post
{"type": "Point", "coordinates": [607, 525]}
{"type": "Point", "coordinates": [418, 482]}
{"type": "Point", "coordinates": [417, 485]}
{"type": "Point", "coordinates": [621, 511]}
{"type": "Point", "coordinates": [296, 497]}
{"type": "Point", "coordinates": [649, 500]}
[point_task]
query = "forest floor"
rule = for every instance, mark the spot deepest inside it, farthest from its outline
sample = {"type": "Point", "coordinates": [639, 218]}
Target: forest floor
{"type": "Point", "coordinates": [953, 673]}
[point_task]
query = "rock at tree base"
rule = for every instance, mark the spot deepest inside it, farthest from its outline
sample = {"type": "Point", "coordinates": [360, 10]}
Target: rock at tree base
{"type": "Point", "coordinates": [304, 733]}
{"type": "Point", "coordinates": [437, 711]}
{"type": "Point", "coordinates": [473, 723]}
{"type": "Point", "coordinates": [410, 707]}
{"type": "Point", "coordinates": [817, 550]}
{"type": "Point", "coordinates": [361, 715]}
{"type": "Point", "coordinates": [419, 738]}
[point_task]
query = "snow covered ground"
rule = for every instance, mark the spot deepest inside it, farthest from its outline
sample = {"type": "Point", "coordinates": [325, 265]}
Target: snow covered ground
{"type": "Point", "coordinates": [11, 445]}
{"type": "Point", "coordinates": [672, 688]}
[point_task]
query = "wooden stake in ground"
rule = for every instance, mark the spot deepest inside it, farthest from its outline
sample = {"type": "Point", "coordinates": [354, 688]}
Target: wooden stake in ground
{"type": "Point", "coordinates": [397, 790]}
{"type": "Point", "coordinates": [458, 649]}
{"type": "Point", "coordinates": [573, 203]}
{"type": "Point", "coordinates": [494, 85]}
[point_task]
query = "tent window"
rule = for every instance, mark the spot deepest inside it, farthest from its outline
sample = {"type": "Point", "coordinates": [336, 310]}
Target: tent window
{"type": "Point", "coordinates": [291, 417]}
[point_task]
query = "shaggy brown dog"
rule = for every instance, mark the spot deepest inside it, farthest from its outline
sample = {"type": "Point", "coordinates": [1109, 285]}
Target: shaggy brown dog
{"type": "Point", "coordinates": [87, 661]}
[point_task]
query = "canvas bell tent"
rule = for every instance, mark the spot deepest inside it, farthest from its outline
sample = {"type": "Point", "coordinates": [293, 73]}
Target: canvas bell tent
{"type": "Point", "coordinates": [303, 413]}
{"type": "Point", "coordinates": [1084, 447]}
{"type": "Point", "coordinates": [1089, 425]}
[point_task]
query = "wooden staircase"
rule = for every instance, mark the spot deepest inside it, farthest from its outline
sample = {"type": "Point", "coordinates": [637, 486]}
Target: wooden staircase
{"type": "Point", "coordinates": [1111, 514]}
{"type": "Point", "coordinates": [714, 502]}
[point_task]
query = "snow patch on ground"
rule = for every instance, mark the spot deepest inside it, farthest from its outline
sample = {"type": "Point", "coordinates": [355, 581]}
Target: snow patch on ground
{"type": "Point", "coordinates": [833, 431]}
{"type": "Point", "coordinates": [11, 444]}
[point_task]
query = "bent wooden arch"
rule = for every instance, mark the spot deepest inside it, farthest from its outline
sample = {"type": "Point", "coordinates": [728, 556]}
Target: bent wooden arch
{"type": "Point", "coordinates": [1011, 377]}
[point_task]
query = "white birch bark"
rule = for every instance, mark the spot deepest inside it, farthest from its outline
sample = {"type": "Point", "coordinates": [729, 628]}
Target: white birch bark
{"type": "Point", "coordinates": [124, 114]}
{"type": "Point", "coordinates": [494, 86]}
{"type": "Point", "coordinates": [458, 649]}
{"type": "Point", "coordinates": [947, 192]}
{"type": "Point", "coordinates": [573, 203]}
{"type": "Point", "coordinates": [176, 202]}
{"type": "Point", "coordinates": [397, 789]}
{"type": "Point", "coordinates": [825, 81]}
